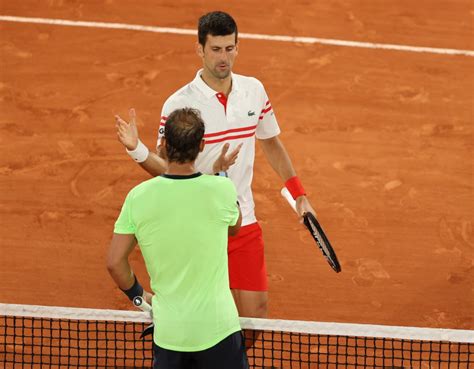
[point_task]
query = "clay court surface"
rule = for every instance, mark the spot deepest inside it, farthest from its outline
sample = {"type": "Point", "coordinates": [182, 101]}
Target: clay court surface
{"type": "Point", "coordinates": [383, 141]}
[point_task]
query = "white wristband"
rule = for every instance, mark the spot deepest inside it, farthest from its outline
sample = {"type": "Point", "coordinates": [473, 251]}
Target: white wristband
{"type": "Point", "coordinates": [140, 154]}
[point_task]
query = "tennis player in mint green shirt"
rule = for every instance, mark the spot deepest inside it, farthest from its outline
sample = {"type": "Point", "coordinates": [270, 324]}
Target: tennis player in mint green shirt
{"type": "Point", "coordinates": [181, 221]}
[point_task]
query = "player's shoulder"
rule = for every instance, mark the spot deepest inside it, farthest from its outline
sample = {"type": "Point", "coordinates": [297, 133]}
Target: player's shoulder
{"type": "Point", "coordinates": [141, 189]}
{"type": "Point", "coordinates": [248, 81]}
{"type": "Point", "coordinates": [178, 99]}
{"type": "Point", "coordinates": [218, 181]}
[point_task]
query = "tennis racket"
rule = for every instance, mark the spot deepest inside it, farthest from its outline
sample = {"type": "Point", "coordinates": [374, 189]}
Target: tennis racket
{"type": "Point", "coordinates": [316, 231]}
{"type": "Point", "coordinates": [140, 303]}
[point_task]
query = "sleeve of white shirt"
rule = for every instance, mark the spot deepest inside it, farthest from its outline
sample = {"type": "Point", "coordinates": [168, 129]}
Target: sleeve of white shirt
{"type": "Point", "coordinates": [165, 112]}
{"type": "Point", "coordinates": [267, 126]}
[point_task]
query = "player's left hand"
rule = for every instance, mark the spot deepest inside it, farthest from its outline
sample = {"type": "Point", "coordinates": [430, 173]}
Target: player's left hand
{"type": "Point", "coordinates": [127, 133]}
{"type": "Point", "coordinates": [303, 206]}
{"type": "Point", "coordinates": [224, 162]}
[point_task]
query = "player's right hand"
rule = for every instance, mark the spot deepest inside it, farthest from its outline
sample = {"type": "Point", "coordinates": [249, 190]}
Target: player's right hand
{"type": "Point", "coordinates": [127, 133]}
{"type": "Point", "coordinates": [147, 296]}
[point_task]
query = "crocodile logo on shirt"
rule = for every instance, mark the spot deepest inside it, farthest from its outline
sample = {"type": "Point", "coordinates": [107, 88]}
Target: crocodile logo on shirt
{"type": "Point", "coordinates": [251, 113]}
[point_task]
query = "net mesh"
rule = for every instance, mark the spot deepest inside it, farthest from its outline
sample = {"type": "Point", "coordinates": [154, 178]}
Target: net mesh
{"type": "Point", "coordinates": [74, 341]}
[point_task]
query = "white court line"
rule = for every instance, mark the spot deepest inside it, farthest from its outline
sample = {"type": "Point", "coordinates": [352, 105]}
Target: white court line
{"type": "Point", "coordinates": [181, 31]}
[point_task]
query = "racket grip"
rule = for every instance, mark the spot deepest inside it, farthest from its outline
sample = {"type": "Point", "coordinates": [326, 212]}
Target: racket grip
{"type": "Point", "coordinates": [287, 196]}
{"type": "Point", "coordinates": [140, 303]}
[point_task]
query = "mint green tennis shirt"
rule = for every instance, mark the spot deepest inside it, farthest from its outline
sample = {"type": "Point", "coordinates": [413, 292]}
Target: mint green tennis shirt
{"type": "Point", "coordinates": [181, 224]}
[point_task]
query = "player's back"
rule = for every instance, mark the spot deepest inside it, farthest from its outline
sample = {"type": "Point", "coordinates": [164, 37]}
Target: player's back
{"type": "Point", "coordinates": [181, 226]}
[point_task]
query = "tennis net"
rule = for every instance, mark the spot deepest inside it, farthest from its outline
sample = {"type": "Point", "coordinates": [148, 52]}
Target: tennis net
{"type": "Point", "coordinates": [54, 337]}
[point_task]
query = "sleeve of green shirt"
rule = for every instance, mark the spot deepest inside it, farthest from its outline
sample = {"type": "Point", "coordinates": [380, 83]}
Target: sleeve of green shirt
{"type": "Point", "coordinates": [231, 210]}
{"type": "Point", "coordinates": [124, 223]}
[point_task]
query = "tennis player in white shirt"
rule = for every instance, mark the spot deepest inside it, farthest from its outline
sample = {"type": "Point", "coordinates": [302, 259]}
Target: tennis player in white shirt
{"type": "Point", "coordinates": [237, 112]}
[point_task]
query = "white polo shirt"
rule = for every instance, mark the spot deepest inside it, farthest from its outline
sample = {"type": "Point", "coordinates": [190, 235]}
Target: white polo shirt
{"type": "Point", "coordinates": [248, 114]}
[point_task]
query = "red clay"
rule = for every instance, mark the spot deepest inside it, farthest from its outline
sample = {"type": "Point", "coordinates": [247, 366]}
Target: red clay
{"type": "Point", "coordinates": [382, 140]}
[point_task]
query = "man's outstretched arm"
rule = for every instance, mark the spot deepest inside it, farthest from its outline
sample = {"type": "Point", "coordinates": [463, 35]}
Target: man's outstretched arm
{"type": "Point", "coordinates": [280, 161]}
{"type": "Point", "coordinates": [153, 163]}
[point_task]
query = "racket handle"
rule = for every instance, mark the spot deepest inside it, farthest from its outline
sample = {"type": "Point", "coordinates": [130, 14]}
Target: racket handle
{"type": "Point", "coordinates": [287, 196]}
{"type": "Point", "coordinates": [140, 303]}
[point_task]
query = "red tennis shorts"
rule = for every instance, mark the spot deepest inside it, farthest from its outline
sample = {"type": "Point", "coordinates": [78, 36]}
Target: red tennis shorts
{"type": "Point", "coordinates": [247, 269]}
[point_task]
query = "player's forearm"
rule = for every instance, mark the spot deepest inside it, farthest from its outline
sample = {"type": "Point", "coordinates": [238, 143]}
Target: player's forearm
{"type": "Point", "coordinates": [117, 259]}
{"type": "Point", "coordinates": [121, 273]}
{"type": "Point", "coordinates": [278, 157]}
{"type": "Point", "coordinates": [154, 165]}
{"type": "Point", "coordinates": [148, 160]}
{"type": "Point", "coordinates": [233, 230]}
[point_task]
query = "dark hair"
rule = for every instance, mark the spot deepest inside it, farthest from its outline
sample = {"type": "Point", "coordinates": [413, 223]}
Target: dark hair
{"type": "Point", "coordinates": [184, 131]}
{"type": "Point", "coordinates": [216, 24]}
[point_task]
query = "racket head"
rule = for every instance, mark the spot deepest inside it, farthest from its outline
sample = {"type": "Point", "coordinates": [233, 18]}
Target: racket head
{"type": "Point", "coordinates": [149, 330]}
{"type": "Point", "coordinates": [322, 241]}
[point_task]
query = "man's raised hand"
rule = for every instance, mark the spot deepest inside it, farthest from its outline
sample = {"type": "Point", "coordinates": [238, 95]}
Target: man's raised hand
{"type": "Point", "coordinates": [127, 133]}
{"type": "Point", "coordinates": [224, 162]}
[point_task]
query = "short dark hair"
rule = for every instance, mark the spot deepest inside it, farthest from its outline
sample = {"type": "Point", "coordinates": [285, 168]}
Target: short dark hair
{"type": "Point", "coordinates": [216, 24]}
{"type": "Point", "coordinates": [184, 131]}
